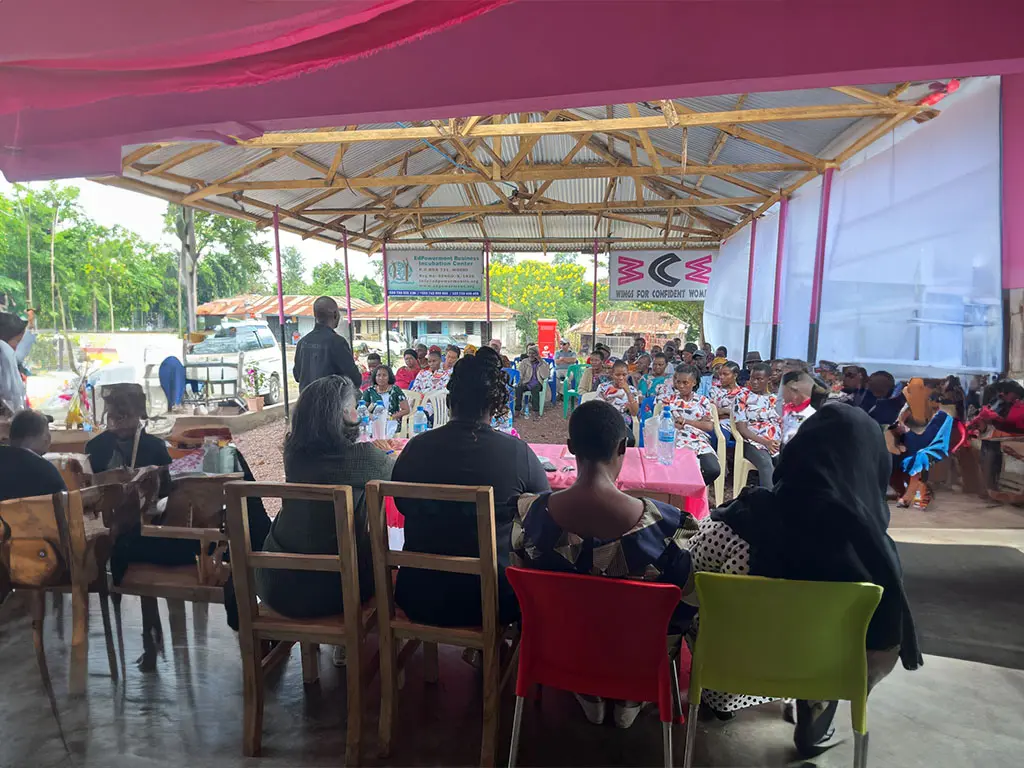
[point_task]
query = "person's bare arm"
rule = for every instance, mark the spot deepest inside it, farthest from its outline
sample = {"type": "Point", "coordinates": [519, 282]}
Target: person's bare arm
{"type": "Point", "coordinates": [632, 405]}
{"type": "Point", "coordinates": [403, 410]}
{"type": "Point", "coordinates": [751, 437]}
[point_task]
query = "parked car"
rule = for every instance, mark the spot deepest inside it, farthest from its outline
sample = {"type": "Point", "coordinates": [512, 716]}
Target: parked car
{"type": "Point", "coordinates": [239, 346]}
{"type": "Point", "coordinates": [441, 340]}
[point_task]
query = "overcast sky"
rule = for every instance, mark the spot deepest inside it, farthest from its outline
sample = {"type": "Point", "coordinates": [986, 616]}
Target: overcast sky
{"type": "Point", "coordinates": [144, 215]}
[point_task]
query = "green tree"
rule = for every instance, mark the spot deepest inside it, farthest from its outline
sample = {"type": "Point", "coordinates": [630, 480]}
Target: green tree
{"type": "Point", "coordinates": [293, 271]}
{"type": "Point", "coordinates": [329, 280]}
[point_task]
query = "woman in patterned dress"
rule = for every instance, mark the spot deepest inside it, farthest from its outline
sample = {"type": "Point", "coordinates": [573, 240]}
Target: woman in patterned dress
{"type": "Point", "coordinates": [660, 374]}
{"type": "Point", "coordinates": [433, 379]}
{"type": "Point", "coordinates": [724, 395]}
{"type": "Point", "coordinates": [692, 415]}
{"type": "Point", "coordinates": [826, 519]}
{"type": "Point", "coordinates": [593, 528]}
{"type": "Point", "coordinates": [622, 396]}
{"type": "Point", "coordinates": [386, 392]}
{"type": "Point", "coordinates": [757, 419]}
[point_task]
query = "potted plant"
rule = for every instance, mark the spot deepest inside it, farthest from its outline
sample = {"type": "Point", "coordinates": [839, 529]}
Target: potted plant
{"type": "Point", "coordinates": [253, 383]}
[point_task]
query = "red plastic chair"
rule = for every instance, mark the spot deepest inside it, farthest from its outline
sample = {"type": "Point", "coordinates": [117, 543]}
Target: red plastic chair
{"type": "Point", "coordinates": [595, 635]}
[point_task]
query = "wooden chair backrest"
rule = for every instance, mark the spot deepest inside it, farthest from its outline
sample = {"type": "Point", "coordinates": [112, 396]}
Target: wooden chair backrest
{"type": "Point", "coordinates": [244, 561]}
{"type": "Point", "coordinates": [385, 559]}
{"type": "Point", "coordinates": [42, 539]}
{"type": "Point", "coordinates": [197, 501]}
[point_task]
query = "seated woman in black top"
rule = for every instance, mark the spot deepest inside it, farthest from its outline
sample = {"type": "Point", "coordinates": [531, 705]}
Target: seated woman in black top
{"type": "Point", "coordinates": [23, 470]}
{"type": "Point", "coordinates": [465, 451]}
{"type": "Point", "coordinates": [322, 448]}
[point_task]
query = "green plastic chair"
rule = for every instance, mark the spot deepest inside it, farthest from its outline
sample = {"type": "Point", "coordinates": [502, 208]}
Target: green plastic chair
{"type": "Point", "coordinates": [785, 639]}
{"type": "Point", "coordinates": [570, 387]}
{"type": "Point", "coordinates": [545, 394]}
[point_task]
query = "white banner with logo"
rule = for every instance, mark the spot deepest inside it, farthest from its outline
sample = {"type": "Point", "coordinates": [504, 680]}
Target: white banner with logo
{"type": "Point", "coordinates": [665, 275]}
{"type": "Point", "coordinates": [436, 273]}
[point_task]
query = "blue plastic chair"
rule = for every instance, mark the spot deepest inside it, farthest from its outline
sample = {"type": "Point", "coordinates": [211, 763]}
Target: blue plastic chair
{"type": "Point", "coordinates": [646, 411]}
{"type": "Point", "coordinates": [513, 376]}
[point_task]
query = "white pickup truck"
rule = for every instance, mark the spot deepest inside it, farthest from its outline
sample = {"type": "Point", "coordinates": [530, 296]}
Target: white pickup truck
{"type": "Point", "coordinates": [219, 361]}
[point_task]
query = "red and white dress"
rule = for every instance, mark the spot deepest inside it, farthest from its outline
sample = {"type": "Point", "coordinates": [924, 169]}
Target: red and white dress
{"type": "Point", "coordinates": [429, 381]}
{"type": "Point", "coordinates": [697, 408]}
{"type": "Point", "coordinates": [759, 413]}
{"type": "Point", "coordinates": [722, 399]}
{"type": "Point", "coordinates": [618, 398]}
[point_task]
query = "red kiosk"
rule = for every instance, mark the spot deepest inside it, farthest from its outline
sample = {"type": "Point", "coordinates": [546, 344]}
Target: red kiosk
{"type": "Point", "coordinates": [547, 337]}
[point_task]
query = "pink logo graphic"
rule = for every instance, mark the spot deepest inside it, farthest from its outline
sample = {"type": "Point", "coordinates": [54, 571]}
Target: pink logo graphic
{"type": "Point", "coordinates": [629, 270]}
{"type": "Point", "coordinates": [699, 269]}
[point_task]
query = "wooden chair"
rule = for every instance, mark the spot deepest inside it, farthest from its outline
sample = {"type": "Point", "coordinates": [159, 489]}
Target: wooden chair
{"type": "Point", "coordinates": [414, 399]}
{"type": "Point", "coordinates": [194, 512]}
{"type": "Point", "coordinates": [50, 543]}
{"type": "Point", "coordinates": [439, 400]}
{"type": "Point", "coordinates": [257, 622]}
{"type": "Point", "coordinates": [395, 626]}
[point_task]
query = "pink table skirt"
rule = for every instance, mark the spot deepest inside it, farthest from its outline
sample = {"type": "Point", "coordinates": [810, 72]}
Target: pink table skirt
{"type": "Point", "coordinates": [682, 478]}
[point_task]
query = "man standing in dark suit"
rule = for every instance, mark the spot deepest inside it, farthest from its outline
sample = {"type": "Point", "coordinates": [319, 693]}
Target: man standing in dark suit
{"type": "Point", "coordinates": [322, 352]}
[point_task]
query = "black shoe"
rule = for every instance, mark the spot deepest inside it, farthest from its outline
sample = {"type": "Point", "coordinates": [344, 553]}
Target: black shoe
{"type": "Point", "coordinates": [814, 731]}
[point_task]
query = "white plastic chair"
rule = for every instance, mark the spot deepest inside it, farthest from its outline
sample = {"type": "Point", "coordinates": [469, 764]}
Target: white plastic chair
{"type": "Point", "coordinates": [414, 399]}
{"type": "Point", "coordinates": [439, 402]}
{"type": "Point", "coordinates": [722, 458]}
{"type": "Point", "coordinates": [740, 466]}
{"type": "Point", "coordinates": [588, 396]}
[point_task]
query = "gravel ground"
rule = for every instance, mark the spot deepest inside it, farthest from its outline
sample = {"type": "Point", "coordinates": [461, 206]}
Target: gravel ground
{"type": "Point", "coordinates": [262, 448]}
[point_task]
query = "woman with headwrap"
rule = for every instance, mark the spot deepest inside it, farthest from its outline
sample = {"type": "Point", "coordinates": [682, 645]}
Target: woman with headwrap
{"type": "Point", "coordinates": [825, 519]}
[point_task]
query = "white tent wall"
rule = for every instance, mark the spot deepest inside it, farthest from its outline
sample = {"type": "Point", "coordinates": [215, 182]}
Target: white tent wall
{"type": "Point", "coordinates": [766, 242]}
{"type": "Point", "coordinates": [726, 300]}
{"type": "Point", "coordinates": [798, 270]}
{"type": "Point", "coordinates": [912, 262]}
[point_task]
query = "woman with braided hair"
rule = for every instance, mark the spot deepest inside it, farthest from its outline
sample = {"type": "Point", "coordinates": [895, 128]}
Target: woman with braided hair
{"type": "Point", "coordinates": [465, 451]}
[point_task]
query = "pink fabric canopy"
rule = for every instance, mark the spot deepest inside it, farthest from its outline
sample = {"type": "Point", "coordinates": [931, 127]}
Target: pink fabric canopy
{"type": "Point", "coordinates": [525, 55]}
{"type": "Point", "coordinates": [55, 53]}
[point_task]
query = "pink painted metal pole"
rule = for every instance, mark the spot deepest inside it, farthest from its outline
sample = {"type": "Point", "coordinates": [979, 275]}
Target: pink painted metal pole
{"type": "Point", "coordinates": [780, 249]}
{"type": "Point", "coordinates": [487, 280]}
{"type": "Point", "coordinates": [280, 309]}
{"type": "Point", "coordinates": [819, 267]}
{"type": "Point", "coordinates": [750, 287]}
{"type": "Point", "coordinates": [387, 315]}
{"type": "Point", "coordinates": [593, 314]}
{"type": "Point", "coordinates": [348, 289]}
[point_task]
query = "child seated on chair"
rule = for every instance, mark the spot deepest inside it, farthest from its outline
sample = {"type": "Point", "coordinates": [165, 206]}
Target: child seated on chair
{"type": "Point", "coordinates": [797, 387]}
{"type": "Point", "coordinates": [595, 529]}
{"type": "Point", "coordinates": [622, 396]}
{"type": "Point", "coordinates": [691, 413]}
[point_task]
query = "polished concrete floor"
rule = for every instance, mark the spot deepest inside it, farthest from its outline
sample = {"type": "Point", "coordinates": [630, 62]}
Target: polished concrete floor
{"type": "Point", "coordinates": [950, 713]}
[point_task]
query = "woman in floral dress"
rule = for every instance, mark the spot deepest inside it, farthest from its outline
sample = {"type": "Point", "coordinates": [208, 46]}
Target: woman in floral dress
{"type": "Point", "coordinates": [757, 419]}
{"type": "Point", "coordinates": [723, 396]}
{"type": "Point", "coordinates": [433, 379]}
{"type": "Point", "coordinates": [692, 415]}
{"type": "Point", "coordinates": [622, 396]}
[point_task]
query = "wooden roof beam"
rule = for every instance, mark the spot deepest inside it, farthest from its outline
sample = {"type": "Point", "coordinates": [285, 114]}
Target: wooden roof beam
{"type": "Point", "coordinates": [562, 127]}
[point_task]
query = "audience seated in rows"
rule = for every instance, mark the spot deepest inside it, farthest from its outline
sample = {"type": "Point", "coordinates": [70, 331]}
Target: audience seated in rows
{"type": "Point", "coordinates": [24, 470]}
{"type": "Point", "coordinates": [824, 520]}
{"type": "Point", "coordinates": [322, 448]}
{"type": "Point", "coordinates": [465, 451]}
{"type": "Point", "coordinates": [691, 412]}
{"type": "Point", "coordinates": [593, 528]}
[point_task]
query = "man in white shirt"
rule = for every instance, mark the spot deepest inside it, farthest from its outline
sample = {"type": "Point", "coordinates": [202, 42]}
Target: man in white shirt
{"type": "Point", "coordinates": [12, 388]}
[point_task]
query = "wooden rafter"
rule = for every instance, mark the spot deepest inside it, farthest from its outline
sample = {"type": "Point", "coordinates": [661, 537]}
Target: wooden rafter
{"type": "Point", "coordinates": [645, 139]}
{"type": "Point", "coordinates": [193, 151]}
{"type": "Point", "coordinates": [564, 127]}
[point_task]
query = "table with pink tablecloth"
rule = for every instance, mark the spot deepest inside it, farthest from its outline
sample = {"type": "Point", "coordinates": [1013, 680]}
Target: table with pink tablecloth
{"type": "Point", "coordinates": [681, 479]}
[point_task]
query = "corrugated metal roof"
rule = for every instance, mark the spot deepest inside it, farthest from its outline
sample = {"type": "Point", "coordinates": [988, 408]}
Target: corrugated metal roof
{"type": "Point", "coordinates": [253, 305]}
{"type": "Point", "coordinates": [642, 227]}
{"type": "Point", "coordinates": [615, 322]}
{"type": "Point", "coordinates": [435, 310]}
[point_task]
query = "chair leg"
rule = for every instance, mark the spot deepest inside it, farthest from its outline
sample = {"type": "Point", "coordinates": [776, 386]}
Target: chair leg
{"type": "Point", "coordinates": [310, 663]}
{"type": "Point", "coordinates": [431, 673]}
{"type": "Point", "coordinates": [116, 600]}
{"type": "Point", "coordinates": [388, 688]}
{"type": "Point", "coordinates": [78, 667]}
{"type": "Point", "coordinates": [108, 635]}
{"type": "Point", "coordinates": [354, 707]}
{"type": "Point", "coordinates": [517, 722]}
{"type": "Point", "coordinates": [492, 688]}
{"type": "Point", "coordinates": [666, 739]}
{"type": "Point", "coordinates": [252, 692]}
{"type": "Point", "coordinates": [38, 612]}
{"type": "Point", "coordinates": [691, 735]}
{"type": "Point", "coordinates": [860, 750]}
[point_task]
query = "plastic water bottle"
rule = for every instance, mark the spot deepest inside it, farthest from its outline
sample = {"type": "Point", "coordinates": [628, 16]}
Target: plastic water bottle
{"type": "Point", "coordinates": [364, 423]}
{"type": "Point", "coordinates": [380, 422]}
{"type": "Point", "coordinates": [419, 421]}
{"type": "Point", "coordinates": [666, 439]}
